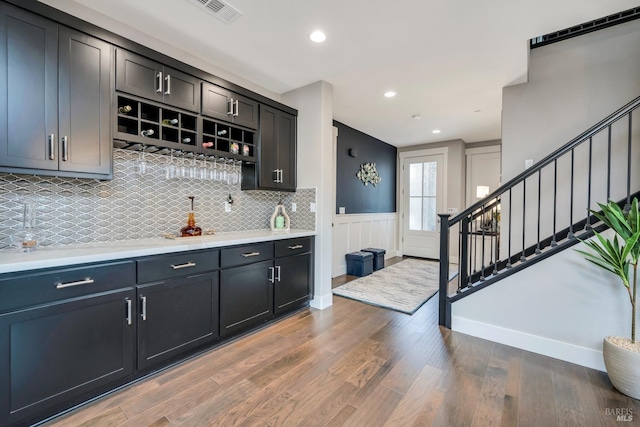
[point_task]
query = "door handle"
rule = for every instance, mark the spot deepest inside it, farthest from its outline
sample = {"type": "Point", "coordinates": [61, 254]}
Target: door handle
{"type": "Point", "coordinates": [168, 80]}
{"type": "Point", "coordinates": [293, 248]}
{"type": "Point", "coordinates": [235, 114]}
{"type": "Point", "coordinates": [230, 107]}
{"type": "Point", "coordinates": [86, 281]}
{"type": "Point", "coordinates": [159, 86]}
{"type": "Point", "coordinates": [52, 153]}
{"type": "Point", "coordinates": [128, 311]}
{"type": "Point", "coordinates": [278, 273]}
{"type": "Point", "coordinates": [186, 265]}
{"type": "Point", "coordinates": [65, 148]}
{"type": "Point", "coordinates": [272, 275]}
{"type": "Point", "coordinates": [143, 314]}
{"type": "Point", "coordinates": [281, 177]}
{"type": "Point", "coordinates": [250, 254]}
{"type": "Point", "coordinates": [275, 172]}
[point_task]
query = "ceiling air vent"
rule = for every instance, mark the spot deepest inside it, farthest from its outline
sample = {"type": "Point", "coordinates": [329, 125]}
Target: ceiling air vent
{"type": "Point", "coordinates": [220, 9]}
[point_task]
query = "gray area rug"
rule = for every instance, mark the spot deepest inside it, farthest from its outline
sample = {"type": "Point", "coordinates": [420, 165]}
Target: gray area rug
{"type": "Point", "coordinates": [403, 287]}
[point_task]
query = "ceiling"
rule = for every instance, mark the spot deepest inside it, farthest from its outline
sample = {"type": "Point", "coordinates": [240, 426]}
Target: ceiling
{"type": "Point", "coordinates": [448, 60]}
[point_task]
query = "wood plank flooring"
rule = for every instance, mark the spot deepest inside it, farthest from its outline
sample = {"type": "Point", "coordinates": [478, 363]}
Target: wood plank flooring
{"type": "Point", "coordinates": [358, 365]}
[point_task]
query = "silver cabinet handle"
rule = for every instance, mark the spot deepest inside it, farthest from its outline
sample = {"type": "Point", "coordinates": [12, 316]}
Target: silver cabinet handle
{"type": "Point", "coordinates": [293, 248]}
{"type": "Point", "coordinates": [235, 114]}
{"type": "Point", "coordinates": [159, 77]}
{"type": "Point", "coordinates": [185, 265]}
{"type": "Point", "coordinates": [250, 254]}
{"type": "Point", "coordinates": [86, 281]}
{"type": "Point", "coordinates": [278, 273]}
{"type": "Point", "coordinates": [272, 275]}
{"type": "Point", "coordinates": [230, 109]}
{"type": "Point", "coordinates": [52, 153]}
{"type": "Point", "coordinates": [65, 148]}
{"type": "Point", "coordinates": [281, 178]}
{"type": "Point", "coordinates": [168, 80]}
{"type": "Point", "coordinates": [128, 310]}
{"type": "Point", "coordinates": [144, 308]}
{"type": "Point", "coordinates": [275, 171]}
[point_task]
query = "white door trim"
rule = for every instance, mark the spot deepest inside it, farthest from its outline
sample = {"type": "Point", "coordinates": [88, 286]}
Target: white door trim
{"type": "Point", "coordinates": [402, 156]}
{"type": "Point", "coordinates": [469, 153]}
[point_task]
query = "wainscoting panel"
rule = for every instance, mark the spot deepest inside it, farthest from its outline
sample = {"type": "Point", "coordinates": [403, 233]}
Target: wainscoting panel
{"type": "Point", "coordinates": [354, 232]}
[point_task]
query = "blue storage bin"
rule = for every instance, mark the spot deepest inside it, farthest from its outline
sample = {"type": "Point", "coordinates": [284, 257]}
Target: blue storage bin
{"type": "Point", "coordinates": [359, 263]}
{"type": "Point", "coordinates": [378, 257]}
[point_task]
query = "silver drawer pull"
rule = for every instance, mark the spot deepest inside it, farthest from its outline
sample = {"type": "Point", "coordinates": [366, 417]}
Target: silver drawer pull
{"type": "Point", "coordinates": [128, 310]}
{"type": "Point", "coordinates": [86, 281]}
{"type": "Point", "coordinates": [186, 265]}
{"type": "Point", "coordinates": [251, 254]}
{"type": "Point", "coordinates": [293, 248]}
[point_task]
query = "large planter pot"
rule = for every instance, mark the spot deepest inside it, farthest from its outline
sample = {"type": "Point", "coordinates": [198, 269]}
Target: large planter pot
{"type": "Point", "coordinates": [623, 367]}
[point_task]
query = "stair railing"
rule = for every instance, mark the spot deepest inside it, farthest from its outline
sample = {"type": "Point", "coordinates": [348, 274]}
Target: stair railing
{"type": "Point", "coordinates": [540, 211]}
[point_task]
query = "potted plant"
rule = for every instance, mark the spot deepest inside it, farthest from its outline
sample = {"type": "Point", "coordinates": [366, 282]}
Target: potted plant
{"type": "Point", "coordinates": [619, 255]}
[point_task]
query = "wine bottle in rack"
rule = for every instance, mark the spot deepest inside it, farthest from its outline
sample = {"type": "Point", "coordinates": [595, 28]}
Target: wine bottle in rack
{"type": "Point", "coordinates": [172, 122]}
{"type": "Point", "coordinates": [208, 144]}
{"type": "Point", "coordinates": [125, 109]}
{"type": "Point", "coordinates": [186, 140]}
{"type": "Point", "coordinates": [222, 132]}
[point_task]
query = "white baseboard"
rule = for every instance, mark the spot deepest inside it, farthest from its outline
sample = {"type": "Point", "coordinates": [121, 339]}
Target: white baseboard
{"type": "Point", "coordinates": [322, 302]}
{"type": "Point", "coordinates": [559, 350]}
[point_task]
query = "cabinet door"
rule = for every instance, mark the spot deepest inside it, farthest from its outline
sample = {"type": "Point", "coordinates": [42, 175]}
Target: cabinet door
{"type": "Point", "coordinates": [216, 102]}
{"type": "Point", "coordinates": [85, 103]}
{"type": "Point", "coordinates": [286, 150]}
{"type": "Point", "coordinates": [246, 296]}
{"type": "Point", "coordinates": [53, 353]}
{"type": "Point", "coordinates": [139, 76]}
{"type": "Point", "coordinates": [246, 112]}
{"type": "Point", "coordinates": [268, 140]}
{"type": "Point", "coordinates": [28, 90]}
{"type": "Point", "coordinates": [176, 315]}
{"type": "Point", "coordinates": [293, 279]}
{"type": "Point", "coordinates": [181, 90]}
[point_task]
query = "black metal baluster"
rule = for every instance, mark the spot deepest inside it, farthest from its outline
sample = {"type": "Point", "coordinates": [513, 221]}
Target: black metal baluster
{"type": "Point", "coordinates": [539, 200]}
{"type": "Point", "coordinates": [482, 226]}
{"type": "Point", "coordinates": [509, 238]}
{"type": "Point", "coordinates": [444, 305]}
{"type": "Point", "coordinates": [496, 236]}
{"type": "Point", "coordinates": [554, 243]}
{"type": "Point", "coordinates": [627, 207]}
{"type": "Point", "coordinates": [588, 224]}
{"type": "Point", "coordinates": [609, 164]}
{"type": "Point", "coordinates": [523, 258]}
{"type": "Point", "coordinates": [571, 235]}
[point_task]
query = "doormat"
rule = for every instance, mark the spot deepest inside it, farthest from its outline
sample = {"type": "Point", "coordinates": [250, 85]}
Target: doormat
{"type": "Point", "coordinates": [403, 287]}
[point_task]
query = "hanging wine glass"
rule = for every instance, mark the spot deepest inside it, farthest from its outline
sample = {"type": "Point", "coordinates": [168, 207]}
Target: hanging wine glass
{"type": "Point", "coordinates": [170, 169]}
{"type": "Point", "coordinates": [140, 167]}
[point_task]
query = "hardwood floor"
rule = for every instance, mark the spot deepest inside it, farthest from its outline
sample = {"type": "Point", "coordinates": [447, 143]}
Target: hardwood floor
{"type": "Point", "coordinates": [358, 365]}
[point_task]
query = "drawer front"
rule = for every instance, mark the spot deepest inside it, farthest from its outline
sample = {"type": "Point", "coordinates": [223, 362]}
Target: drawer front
{"type": "Point", "coordinates": [38, 287]}
{"type": "Point", "coordinates": [246, 254]}
{"type": "Point", "coordinates": [178, 264]}
{"type": "Point", "coordinates": [293, 246]}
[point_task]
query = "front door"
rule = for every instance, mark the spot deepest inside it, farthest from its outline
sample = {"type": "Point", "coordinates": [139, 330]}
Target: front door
{"type": "Point", "coordinates": [423, 199]}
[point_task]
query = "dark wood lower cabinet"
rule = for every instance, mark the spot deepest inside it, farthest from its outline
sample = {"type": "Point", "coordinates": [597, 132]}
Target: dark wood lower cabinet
{"type": "Point", "coordinates": [293, 284]}
{"type": "Point", "coordinates": [176, 315]}
{"type": "Point", "coordinates": [52, 353]}
{"type": "Point", "coordinates": [246, 296]}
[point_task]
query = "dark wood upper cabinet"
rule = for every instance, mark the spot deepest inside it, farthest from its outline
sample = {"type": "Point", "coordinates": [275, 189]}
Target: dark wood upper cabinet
{"type": "Point", "coordinates": [276, 168]}
{"type": "Point", "coordinates": [55, 98]}
{"type": "Point", "coordinates": [222, 104]}
{"type": "Point", "coordinates": [151, 80]}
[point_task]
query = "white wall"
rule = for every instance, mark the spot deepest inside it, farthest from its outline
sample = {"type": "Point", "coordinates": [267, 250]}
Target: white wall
{"type": "Point", "coordinates": [316, 169]}
{"type": "Point", "coordinates": [357, 231]}
{"type": "Point", "coordinates": [563, 315]}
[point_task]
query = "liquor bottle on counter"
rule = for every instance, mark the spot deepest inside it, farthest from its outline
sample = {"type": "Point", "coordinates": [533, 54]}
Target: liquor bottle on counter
{"type": "Point", "coordinates": [191, 229]}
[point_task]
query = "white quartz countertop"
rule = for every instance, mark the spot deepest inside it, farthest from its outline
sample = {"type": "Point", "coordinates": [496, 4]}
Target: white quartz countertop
{"type": "Point", "coordinates": [12, 260]}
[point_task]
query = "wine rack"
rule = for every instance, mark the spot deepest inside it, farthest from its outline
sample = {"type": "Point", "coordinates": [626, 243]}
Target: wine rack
{"type": "Point", "coordinates": [158, 128]}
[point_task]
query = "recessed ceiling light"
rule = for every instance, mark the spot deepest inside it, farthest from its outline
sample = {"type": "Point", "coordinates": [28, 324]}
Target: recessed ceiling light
{"type": "Point", "coordinates": [435, 131]}
{"type": "Point", "coordinates": [389, 94]}
{"type": "Point", "coordinates": [318, 36]}
{"type": "Point", "coordinates": [477, 111]}
{"type": "Point", "coordinates": [416, 117]}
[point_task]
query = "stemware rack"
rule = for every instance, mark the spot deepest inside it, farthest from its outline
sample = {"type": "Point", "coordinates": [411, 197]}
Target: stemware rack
{"type": "Point", "coordinates": [160, 129]}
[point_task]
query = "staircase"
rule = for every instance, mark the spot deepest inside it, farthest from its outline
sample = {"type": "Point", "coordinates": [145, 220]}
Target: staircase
{"type": "Point", "coordinates": [543, 210]}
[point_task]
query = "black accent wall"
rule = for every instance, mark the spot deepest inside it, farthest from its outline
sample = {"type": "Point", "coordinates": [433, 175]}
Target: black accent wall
{"type": "Point", "coordinates": [351, 193]}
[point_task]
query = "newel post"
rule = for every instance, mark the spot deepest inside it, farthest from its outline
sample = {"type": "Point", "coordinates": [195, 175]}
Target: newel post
{"type": "Point", "coordinates": [444, 304]}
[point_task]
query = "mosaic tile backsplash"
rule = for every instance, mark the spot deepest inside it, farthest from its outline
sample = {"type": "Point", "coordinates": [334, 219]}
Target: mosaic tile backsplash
{"type": "Point", "coordinates": [134, 206]}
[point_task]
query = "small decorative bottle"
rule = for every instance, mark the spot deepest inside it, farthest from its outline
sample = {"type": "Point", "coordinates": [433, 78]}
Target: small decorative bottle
{"type": "Point", "coordinates": [191, 229]}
